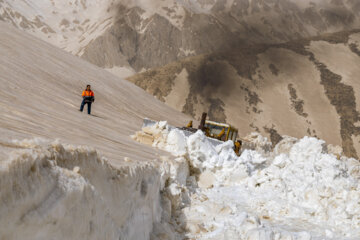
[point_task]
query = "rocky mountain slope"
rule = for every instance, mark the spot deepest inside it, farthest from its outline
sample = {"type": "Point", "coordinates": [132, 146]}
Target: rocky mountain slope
{"type": "Point", "coordinates": [305, 87]}
{"type": "Point", "coordinates": [118, 34]}
{"type": "Point", "coordinates": [184, 28]}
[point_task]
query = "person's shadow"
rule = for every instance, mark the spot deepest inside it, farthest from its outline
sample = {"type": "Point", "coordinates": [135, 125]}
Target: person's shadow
{"type": "Point", "coordinates": [97, 116]}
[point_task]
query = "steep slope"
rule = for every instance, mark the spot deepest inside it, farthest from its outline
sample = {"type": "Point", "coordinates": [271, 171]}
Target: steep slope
{"type": "Point", "coordinates": [306, 87]}
{"type": "Point", "coordinates": [142, 34]}
{"type": "Point", "coordinates": [40, 95]}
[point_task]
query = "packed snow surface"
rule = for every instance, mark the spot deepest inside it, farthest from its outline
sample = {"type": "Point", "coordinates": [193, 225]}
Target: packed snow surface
{"type": "Point", "coordinates": [300, 190]}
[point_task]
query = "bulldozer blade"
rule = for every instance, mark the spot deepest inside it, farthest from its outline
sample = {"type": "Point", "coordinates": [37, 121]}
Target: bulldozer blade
{"type": "Point", "coordinates": [149, 123]}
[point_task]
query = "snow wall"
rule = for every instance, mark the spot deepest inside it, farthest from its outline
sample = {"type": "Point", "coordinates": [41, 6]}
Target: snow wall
{"type": "Point", "coordinates": [57, 191]}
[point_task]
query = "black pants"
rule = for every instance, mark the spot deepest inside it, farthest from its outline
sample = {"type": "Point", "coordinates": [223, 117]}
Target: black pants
{"type": "Point", "coordinates": [83, 104]}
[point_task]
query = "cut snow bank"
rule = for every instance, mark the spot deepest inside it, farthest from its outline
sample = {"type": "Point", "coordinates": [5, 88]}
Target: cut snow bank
{"type": "Point", "coordinates": [303, 189]}
{"type": "Point", "coordinates": [57, 191]}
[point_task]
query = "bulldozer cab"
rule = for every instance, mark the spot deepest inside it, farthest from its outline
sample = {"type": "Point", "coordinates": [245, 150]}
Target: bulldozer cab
{"type": "Point", "coordinates": [220, 131]}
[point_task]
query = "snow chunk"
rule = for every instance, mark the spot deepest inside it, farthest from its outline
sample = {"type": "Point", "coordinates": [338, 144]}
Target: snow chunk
{"type": "Point", "coordinates": [300, 190]}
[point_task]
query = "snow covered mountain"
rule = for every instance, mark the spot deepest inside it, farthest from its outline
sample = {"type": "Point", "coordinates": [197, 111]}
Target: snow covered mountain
{"type": "Point", "coordinates": [67, 175]}
{"type": "Point", "coordinates": [306, 87]}
{"type": "Point", "coordinates": [129, 35]}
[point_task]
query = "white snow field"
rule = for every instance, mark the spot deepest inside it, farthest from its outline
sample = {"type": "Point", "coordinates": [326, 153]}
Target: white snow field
{"type": "Point", "coordinates": [302, 190]}
{"type": "Point", "coordinates": [65, 174]}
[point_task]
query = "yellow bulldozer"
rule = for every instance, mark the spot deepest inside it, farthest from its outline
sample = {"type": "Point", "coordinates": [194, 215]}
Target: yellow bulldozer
{"type": "Point", "coordinates": [215, 131]}
{"type": "Point", "coordinates": [220, 131]}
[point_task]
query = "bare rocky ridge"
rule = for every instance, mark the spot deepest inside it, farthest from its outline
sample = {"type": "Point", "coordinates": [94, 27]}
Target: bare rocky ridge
{"type": "Point", "coordinates": [304, 87]}
{"type": "Point", "coordinates": [144, 34]}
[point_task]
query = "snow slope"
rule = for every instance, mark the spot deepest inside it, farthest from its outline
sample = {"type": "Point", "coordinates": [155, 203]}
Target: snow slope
{"type": "Point", "coordinates": [41, 93]}
{"type": "Point", "coordinates": [65, 174]}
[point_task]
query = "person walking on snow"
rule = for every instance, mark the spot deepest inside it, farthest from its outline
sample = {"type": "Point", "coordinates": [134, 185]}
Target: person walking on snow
{"type": "Point", "coordinates": [88, 98]}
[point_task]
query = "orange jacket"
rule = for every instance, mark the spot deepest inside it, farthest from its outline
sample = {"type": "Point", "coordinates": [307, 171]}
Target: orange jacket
{"type": "Point", "coordinates": [87, 93]}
